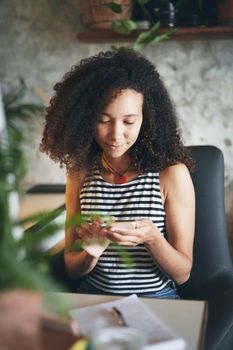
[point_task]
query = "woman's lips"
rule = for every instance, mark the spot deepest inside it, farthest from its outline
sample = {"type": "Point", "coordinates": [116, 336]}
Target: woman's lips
{"type": "Point", "coordinates": [114, 146]}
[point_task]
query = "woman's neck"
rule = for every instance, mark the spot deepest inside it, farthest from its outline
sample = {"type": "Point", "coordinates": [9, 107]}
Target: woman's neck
{"type": "Point", "coordinates": [119, 163]}
{"type": "Point", "coordinates": [119, 172]}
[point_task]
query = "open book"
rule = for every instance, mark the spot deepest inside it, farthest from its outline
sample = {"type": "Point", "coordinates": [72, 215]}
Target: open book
{"type": "Point", "coordinates": [136, 315]}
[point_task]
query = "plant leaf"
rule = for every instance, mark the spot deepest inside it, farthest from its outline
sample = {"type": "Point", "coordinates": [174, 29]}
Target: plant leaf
{"type": "Point", "coordinates": [114, 7]}
{"type": "Point", "coordinates": [124, 27]}
{"type": "Point", "coordinates": [146, 37]}
{"type": "Point", "coordinates": [78, 219]}
{"type": "Point", "coordinates": [125, 257]}
{"type": "Point", "coordinates": [150, 37]}
{"type": "Point", "coordinates": [41, 216]}
{"type": "Point", "coordinates": [32, 239]}
{"type": "Point", "coordinates": [24, 111]}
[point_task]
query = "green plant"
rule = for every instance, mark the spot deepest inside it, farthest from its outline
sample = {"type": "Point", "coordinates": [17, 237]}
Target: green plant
{"type": "Point", "coordinates": [24, 265]}
{"type": "Point", "coordinates": [21, 265]}
{"type": "Point", "coordinates": [148, 37]}
{"type": "Point", "coordinates": [18, 116]}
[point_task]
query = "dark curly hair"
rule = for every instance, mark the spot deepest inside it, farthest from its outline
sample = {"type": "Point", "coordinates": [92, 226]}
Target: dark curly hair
{"type": "Point", "coordinates": [80, 99]}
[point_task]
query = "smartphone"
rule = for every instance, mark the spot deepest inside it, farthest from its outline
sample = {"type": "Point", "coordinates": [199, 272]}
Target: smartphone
{"type": "Point", "coordinates": [124, 224]}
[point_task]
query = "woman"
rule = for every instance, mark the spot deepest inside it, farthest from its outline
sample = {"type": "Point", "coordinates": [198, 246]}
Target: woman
{"type": "Point", "coordinates": [112, 124]}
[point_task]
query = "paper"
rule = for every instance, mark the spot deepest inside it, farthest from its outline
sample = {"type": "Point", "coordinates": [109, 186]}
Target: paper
{"type": "Point", "coordinates": [136, 314]}
{"type": "Point", "coordinates": [95, 246]}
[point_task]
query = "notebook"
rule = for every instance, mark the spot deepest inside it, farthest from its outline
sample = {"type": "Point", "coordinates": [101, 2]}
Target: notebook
{"type": "Point", "coordinates": [136, 315]}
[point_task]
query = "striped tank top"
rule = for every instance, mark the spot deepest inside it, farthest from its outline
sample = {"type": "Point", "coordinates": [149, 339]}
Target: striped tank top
{"type": "Point", "coordinates": [134, 200]}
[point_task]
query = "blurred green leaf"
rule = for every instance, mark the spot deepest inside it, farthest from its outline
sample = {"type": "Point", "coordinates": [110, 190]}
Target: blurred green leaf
{"type": "Point", "coordinates": [125, 257]}
{"type": "Point", "coordinates": [79, 219]}
{"type": "Point", "coordinates": [124, 27]}
{"type": "Point", "coordinates": [24, 111]}
{"type": "Point", "coordinates": [150, 37]}
{"type": "Point", "coordinates": [40, 216]}
{"type": "Point", "coordinates": [30, 240]}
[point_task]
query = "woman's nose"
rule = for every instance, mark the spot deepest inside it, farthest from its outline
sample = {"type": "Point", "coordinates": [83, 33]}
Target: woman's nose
{"type": "Point", "coordinates": [117, 131]}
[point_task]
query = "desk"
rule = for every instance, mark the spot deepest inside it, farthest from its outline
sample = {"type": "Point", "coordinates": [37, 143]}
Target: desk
{"type": "Point", "coordinates": [186, 317]}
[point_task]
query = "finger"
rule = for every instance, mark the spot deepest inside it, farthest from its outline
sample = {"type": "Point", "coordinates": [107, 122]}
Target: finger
{"type": "Point", "coordinates": [103, 232]}
{"type": "Point", "coordinates": [84, 225]}
{"type": "Point", "coordinates": [121, 239]}
{"type": "Point", "coordinates": [97, 223]}
{"type": "Point", "coordinates": [126, 242]}
{"type": "Point", "coordinates": [90, 228]}
{"type": "Point", "coordinates": [122, 231]}
{"type": "Point", "coordinates": [94, 229]}
{"type": "Point", "coordinates": [129, 244]}
{"type": "Point", "coordinates": [84, 233]}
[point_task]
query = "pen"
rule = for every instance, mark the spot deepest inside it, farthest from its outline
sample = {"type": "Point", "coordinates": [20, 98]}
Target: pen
{"type": "Point", "coordinates": [120, 318]}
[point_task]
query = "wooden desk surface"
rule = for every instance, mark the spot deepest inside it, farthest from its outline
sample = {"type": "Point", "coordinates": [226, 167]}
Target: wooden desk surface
{"type": "Point", "coordinates": [187, 318]}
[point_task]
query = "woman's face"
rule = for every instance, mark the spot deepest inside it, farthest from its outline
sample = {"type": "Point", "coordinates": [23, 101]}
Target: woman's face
{"type": "Point", "coordinates": [119, 125]}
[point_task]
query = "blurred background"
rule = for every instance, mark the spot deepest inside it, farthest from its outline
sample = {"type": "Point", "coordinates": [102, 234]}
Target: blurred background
{"type": "Point", "coordinates": [39, 42]}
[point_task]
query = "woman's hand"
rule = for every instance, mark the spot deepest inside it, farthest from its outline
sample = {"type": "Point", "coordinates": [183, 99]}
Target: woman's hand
{"type": "Point", "coordinates": [142, 231]}
{"type": "Point", "coordinates": [92, 237]}
{"type": "Point", "coordinates": [88, 231]}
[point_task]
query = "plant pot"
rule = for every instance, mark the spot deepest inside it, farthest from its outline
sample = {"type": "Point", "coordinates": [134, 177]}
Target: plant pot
{"type": "Point", "coordinates": [96, 15]}
{"type": "Point", "coordinates": [23, 325]}
{"type": "Point", "coordinates": [19, 320]}
{"type": "Point", "coordinates": [225, 12]}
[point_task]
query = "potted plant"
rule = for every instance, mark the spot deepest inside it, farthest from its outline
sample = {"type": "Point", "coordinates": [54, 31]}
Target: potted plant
{"type": "Point", "coordinates": [99, 14]}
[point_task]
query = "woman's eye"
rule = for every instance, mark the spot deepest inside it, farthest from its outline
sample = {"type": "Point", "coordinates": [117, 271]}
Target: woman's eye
{"type": "Point", "coordinates": [129, 122]}
{"type": "Point", "coordinates": [103, 121]}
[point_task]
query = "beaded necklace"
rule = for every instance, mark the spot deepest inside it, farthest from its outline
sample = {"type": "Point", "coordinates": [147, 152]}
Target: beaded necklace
{"type": "Point", "coordinates": [120, 178]}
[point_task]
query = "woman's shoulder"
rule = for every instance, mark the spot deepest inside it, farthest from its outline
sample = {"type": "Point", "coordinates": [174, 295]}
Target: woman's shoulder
{"type": "Point", "coordinates": [74, 184]}
{"type": "Point", "coordinates": [174, 171]}
{"type": "Point", "coordinates": [74, 180]}
{"type": "Point", "coordinates": [175, 177]}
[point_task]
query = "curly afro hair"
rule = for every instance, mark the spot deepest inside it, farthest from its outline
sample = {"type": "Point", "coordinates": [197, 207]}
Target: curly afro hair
{"type": "Point", "coordinates": [81, 97]}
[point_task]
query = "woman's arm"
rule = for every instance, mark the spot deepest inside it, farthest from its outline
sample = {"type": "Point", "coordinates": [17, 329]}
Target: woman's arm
{"type": "Point", "coordinates": [78, 263]}
{"type": "Point", "coordinates": [174, 254]}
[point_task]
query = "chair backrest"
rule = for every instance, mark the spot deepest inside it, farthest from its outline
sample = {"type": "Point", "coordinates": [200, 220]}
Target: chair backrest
{"type": "Point", "coordinates": [211, 248]}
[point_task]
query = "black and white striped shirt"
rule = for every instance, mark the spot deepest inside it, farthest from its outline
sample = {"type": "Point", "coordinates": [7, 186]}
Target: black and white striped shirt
{"type": "Point", "coordinates": [134, 200]}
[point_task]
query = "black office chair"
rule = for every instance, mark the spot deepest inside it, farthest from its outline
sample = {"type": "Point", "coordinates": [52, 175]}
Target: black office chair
{"type": "Point", "coordinates": [212, 273]}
